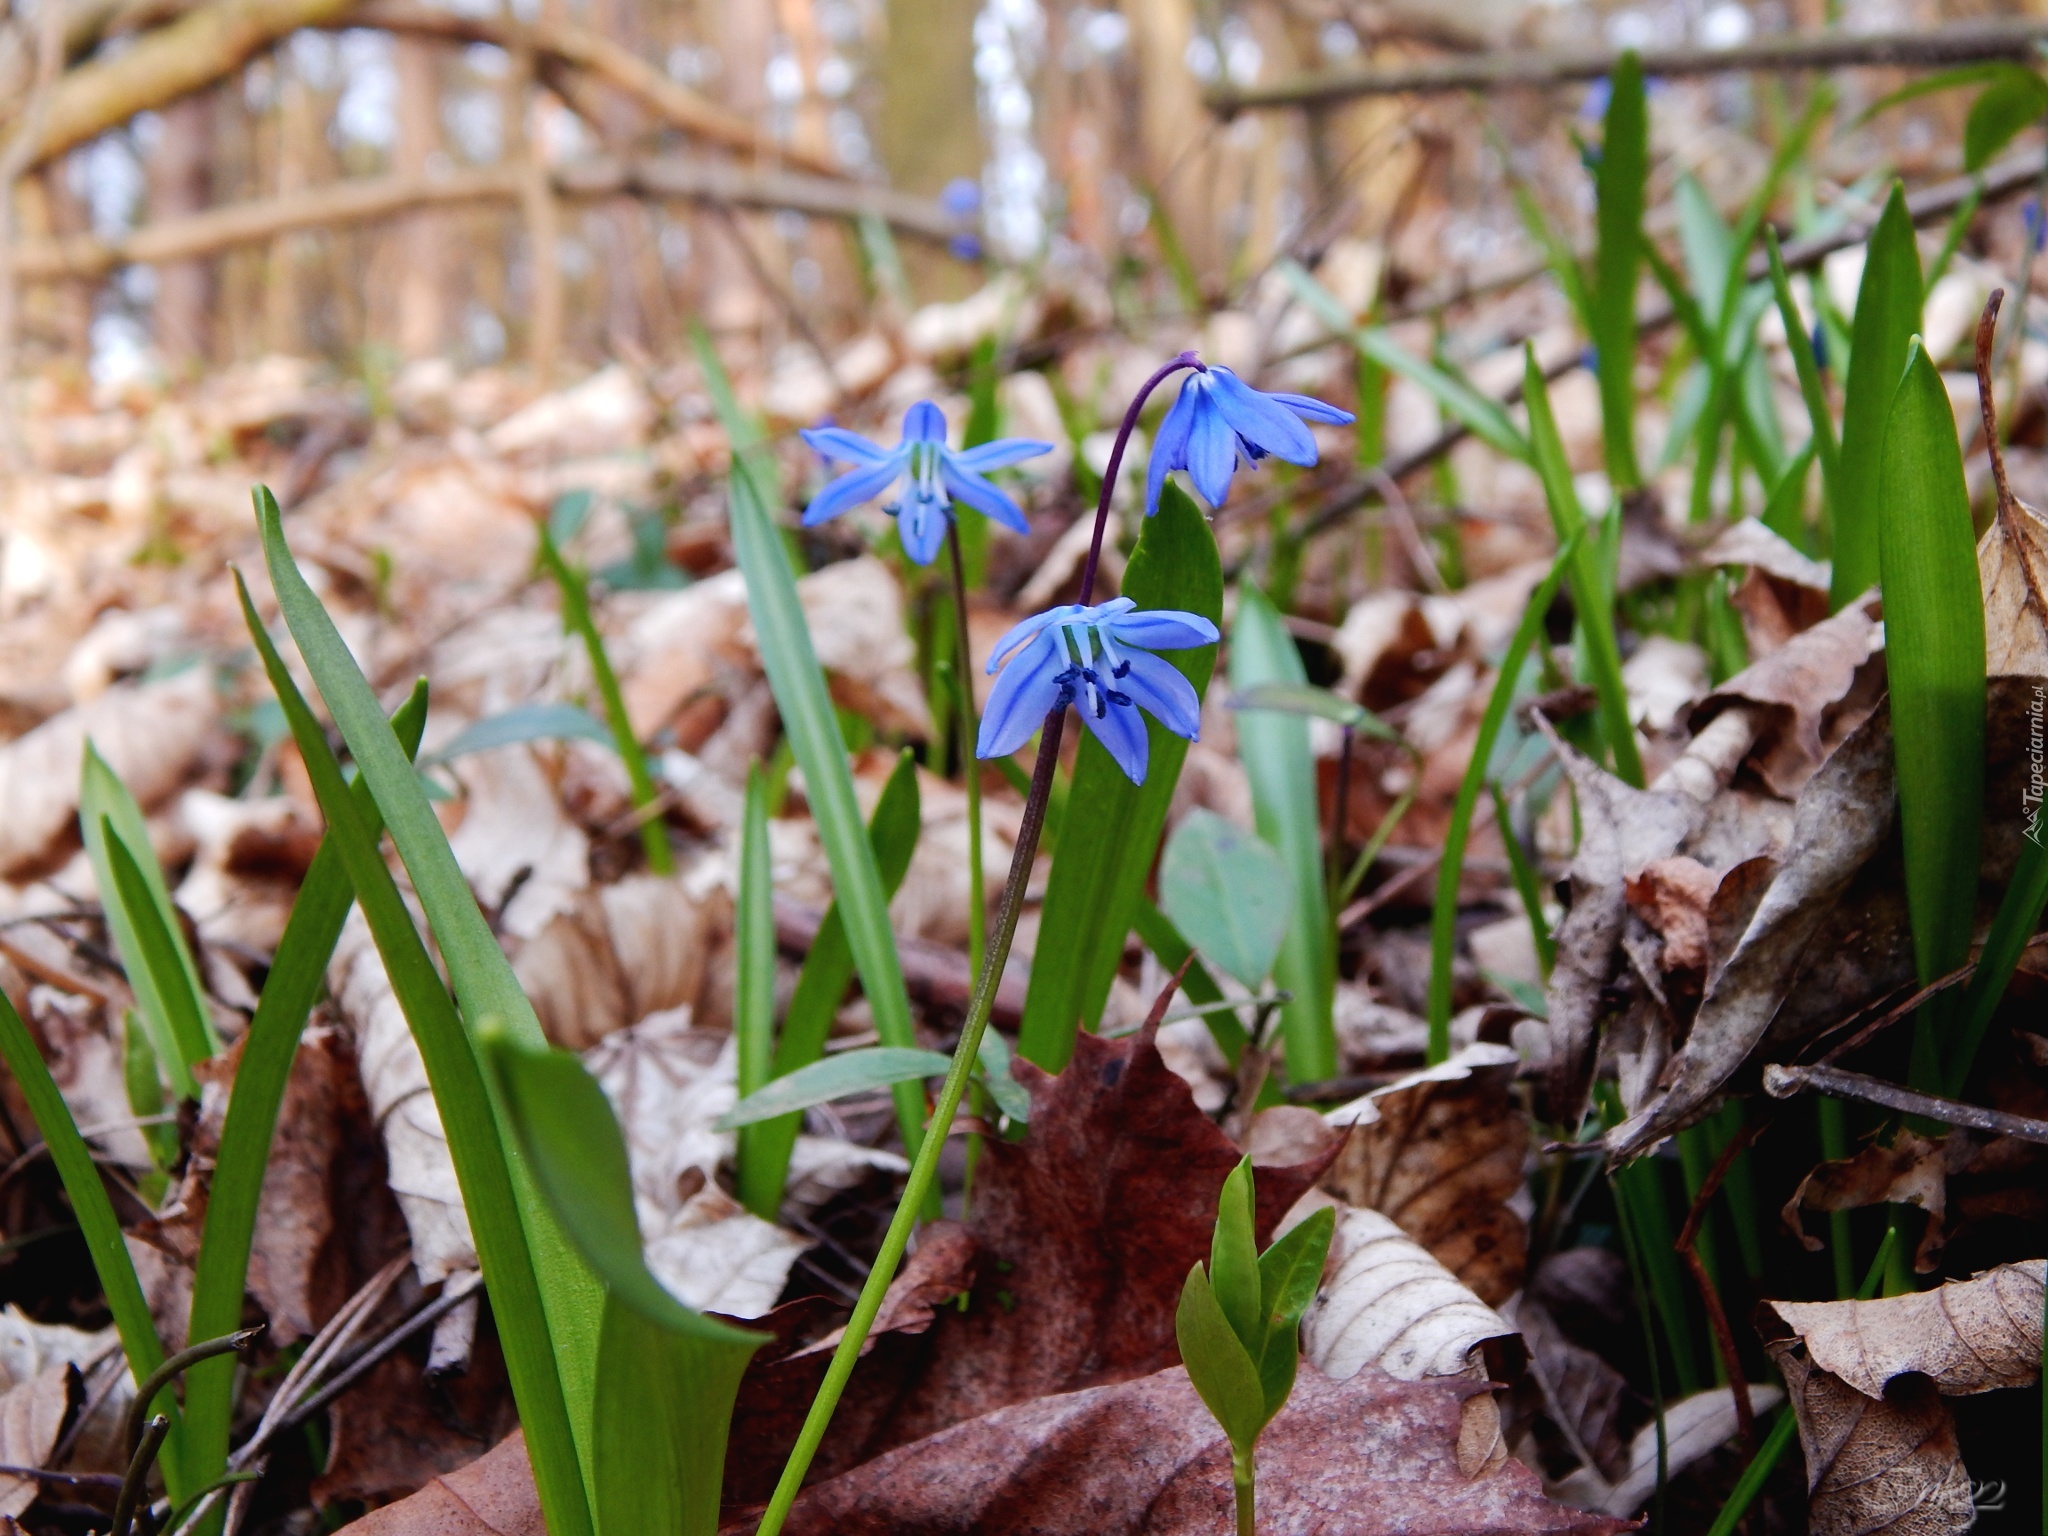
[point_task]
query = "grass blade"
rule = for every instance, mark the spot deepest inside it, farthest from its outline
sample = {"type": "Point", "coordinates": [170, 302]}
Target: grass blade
{"type": "Point", "coordinates": [1528, 886]}
{"type": "Point", "coordinates": [1277, 759]}
{"type": "Point", "coordinates": [1887, 315]}
{"type": "Point", "coordinates": [549, 1304]}
{"type": "Point", "coordinates": [577, 621]}
{"type": "Point", "coordinates": [1619, 187]}
{"type": "Point", "coordinates": [753, 1013]}
{"type": "Point", "coordinates": [1590, 591]}
{"type": "Point", "coordinates": [1811, 390]}
{"type": "Point", "coordinates": [297, 972]}
{"type": "Point", "coordinates": [861, 1071]}
{"type": "Point", "coordinates": [102, 1230]}
{"type": "Point", "coordinates": [1443, 923]}
{"type": "Point", "coordinates": [157, 950]}
{"type": "Point", "coordinates": [1112, 826]}
{"type": "Point", "coordinates": [1934, 656]}
{"type": "Point", "coordinates": [828, 968]}
{"type": "Point", "coordinates": [104, 799]}
{"type": "Point", "coordinates": [526, 722]}
{"type": "Point", "coordinates": [2019, 914]}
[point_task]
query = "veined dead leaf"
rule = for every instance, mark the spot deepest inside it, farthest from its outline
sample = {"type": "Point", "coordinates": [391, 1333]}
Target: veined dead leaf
{"type": "Point", "coordinates": [1911, 1170]}
{"type": "Point", "coordinates": [2012, 563]}
{"type": "Point", "coordinates": [1440, 1153]}
{"type": "Point", "coordinates": [619, 953]}
{"type": "Point", "coordinates": [33, 1413]}
{"type": "Point", "coordinates": [492, 1496]}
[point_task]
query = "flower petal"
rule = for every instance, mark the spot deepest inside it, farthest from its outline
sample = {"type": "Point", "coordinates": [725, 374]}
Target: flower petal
{"type": "Point", "coordinates": [924, 423]}
{"type": "Point", "coordinates": [1212, 453]}
{"type": "Point", "coordinates": [1260, 421]}
{"type": "Point", "coordinates": [1026, 629]}
{"type": "Point", "coordinates": [840, 444]}
{"type": "Point", "coordinates": [1158, 688]}
{"type": "Point", "coordinates": [1023, 696]}
{"type": "Point", "coordinates": [1170, 448]}
{"type": "Point", "coordinates": [851, 489]}
{"type": "Point", "coordinates": [1313, 409]}
{"type": "Point", "coordinates": [967, 487]}
{"type": "Point", "coordinates": [1121, 730]}
{"type": "Point", "coordinates": [1163, 629]}
{"type": "Point", "coordinates": [921, 525]}
{"type": "Point", "coordinates": [1000, 454]}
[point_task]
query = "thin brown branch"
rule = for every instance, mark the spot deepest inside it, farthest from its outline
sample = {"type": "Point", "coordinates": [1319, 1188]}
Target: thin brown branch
{"type": "Point", "coordinates": [1687, 1248]}
{"type": "Point", "coordinates": [1965, 42]}
{"type": "Point", "coordinates": [1782, 1082]}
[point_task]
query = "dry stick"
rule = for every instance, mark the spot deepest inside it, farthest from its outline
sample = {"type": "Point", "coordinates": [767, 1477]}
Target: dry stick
{"type": "Point", "coordinates": [1781, 1082]}
{"type": "Point", "coordinates": [1961, 43]}
{"type": "Point", "coordinates": [2014, 174]}
{"type": "Point", "coordinates": [1717, 1315]}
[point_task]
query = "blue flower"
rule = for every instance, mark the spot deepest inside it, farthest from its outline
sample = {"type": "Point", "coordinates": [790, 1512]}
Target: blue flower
{"type": "Point", "coordinates": [937, 477]}
{"type": "Point", "coordinates": [1218, 418]}
{"type": "Point", "coordinates": [1099, 659]}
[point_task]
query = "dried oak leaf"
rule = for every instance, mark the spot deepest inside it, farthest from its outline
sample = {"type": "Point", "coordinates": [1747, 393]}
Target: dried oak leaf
{"type": "Point", "coordinates": [1364, 1455]}
{"type": "Point", "coordinates": [1440, 1153]}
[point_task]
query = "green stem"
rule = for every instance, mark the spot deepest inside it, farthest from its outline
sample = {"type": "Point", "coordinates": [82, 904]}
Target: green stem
{"type": "Point", "coordinates": [1241, 1477]}
{"type": "Point", "coordinates": [576, 620]}
{"type": "Point", "coordinates": [924, 1168]}
{"type": "Point", "coordinates": [970, 730]}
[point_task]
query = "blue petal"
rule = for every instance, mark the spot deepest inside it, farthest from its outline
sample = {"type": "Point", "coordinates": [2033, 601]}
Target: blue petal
{"type": "Point", "coordinates": [921, 525]}
{"type": "Point", "coordinates": [851, 489]}
{"type": "Point", "coordinates": [1170, 448]}
{"type": "Point", "coordinates": [1212, 453]}
{"type": "Point", "coordinates": [1261, 422]}
{"type": "Point", "coordinates": [1163, 629]}
{"type": "Point", "coordinates": [966, 486]}
{"type": "Point", "coordinates": [1023, 696]}
{"type": "Point", "coordinates": [924, 423]}
{"type": "Point", "coordinates": [1025, 629]}
{"type": "Point", "coordinates": [1313, 409]}
{"type": "Point", "coordinates": [1000, 454]}
{"type": "Point", "coordinates": [838, 443]}
{"type": "Point", "coordinates": [1157, 687]}
{"type": "Point", "coordinates": [1121, 730]}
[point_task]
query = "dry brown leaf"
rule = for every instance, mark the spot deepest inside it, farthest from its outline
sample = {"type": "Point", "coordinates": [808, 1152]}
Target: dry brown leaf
{"type": "Point", "coordinates": [1886, 1465]}
{"type": "Point", "coordinates": [1579, 1392]}
{"type": "Point", "coordinates": [1440, 1153]}
{"type": "Point", "coordinates": [246, 867]}
{"type": "Point", "coordinates": [2012, 563]}
{"type": "Point", "coordinates": [523, 856]}
{"type": "Point", "coordinates": [33, 1413]}
{"type": "Point", "coordinates": [1911, 1170]}
{"type": "Point", "coordinates": [1694, 1427]}
{"type": "Point", "coordinates": [1807, 689]}
{"type": "Point", "coordinates": [492, 1496]}
{"type": "Point", "coordinates": [1975, 1335]}
{"type": "Point", "coordinates": [395, 1430]}
{"type": "Point", "coordinates": [854, 611]}
{"type": "Point", "coordinates": [619, 953]}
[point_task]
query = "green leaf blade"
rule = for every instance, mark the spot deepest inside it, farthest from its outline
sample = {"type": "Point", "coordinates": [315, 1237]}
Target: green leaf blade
{"type": "Point", "coordinates": [754, 991]}
{"type": "Point", "coordinates": [848, 1072]}
{"type": "Point", "coordinates": [1620, 190]}
{"type": "Point", "coordinates": [1887, 315]}
{"type": "Point", "coordinates": [1227, 892]}
{"type": "Point", "coordinates": [1222, 1372]}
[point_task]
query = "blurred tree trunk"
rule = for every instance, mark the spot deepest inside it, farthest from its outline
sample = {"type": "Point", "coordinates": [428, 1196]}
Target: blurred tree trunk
{"type": "Point", "coordinates": [422, 238]}
{"type": "Point", "coordinates": [730, 297]}
{"type": "Point", "coordinates": [284, 289]}
{"type": "Point", "coordinates": [179, 183]}
{"type": "Point", "coordinates": [1175, 131]}
{"type": "Point", "coordinates": [928, 132]}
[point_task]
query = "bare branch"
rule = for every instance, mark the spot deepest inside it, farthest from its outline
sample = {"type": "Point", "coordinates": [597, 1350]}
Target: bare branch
{"type": "Point", "coordinates": [1782, 1082]}
{"type": "Point", "coordinates": [1960, 43]}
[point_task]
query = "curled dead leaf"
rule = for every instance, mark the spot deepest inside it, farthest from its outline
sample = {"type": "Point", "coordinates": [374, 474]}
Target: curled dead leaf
{"type": "Point", "coordinates": [2012, 564]}
{"type": "Point", "coordinates": [1911, 1170]}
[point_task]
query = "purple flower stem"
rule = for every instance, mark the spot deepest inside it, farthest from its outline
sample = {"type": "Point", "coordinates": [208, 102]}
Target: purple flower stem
{"type": "Point", "coordinates": [1116, 463]}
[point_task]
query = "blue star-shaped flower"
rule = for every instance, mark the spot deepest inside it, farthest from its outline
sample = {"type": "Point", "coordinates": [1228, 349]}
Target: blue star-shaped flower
{"type": "Point", "coordinates": [937, 477]}
{"type": "Point", "coordinates": [1217, 418]}
{"type": "Point", "coordinates": [1099, 659]}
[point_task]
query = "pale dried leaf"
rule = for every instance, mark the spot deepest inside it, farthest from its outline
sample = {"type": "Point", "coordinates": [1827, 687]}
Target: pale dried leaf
{"type": "Point", "coordinates": [32, 1415]}
{"type": "Point", "coordinates": [524, 858]}
{"type": "Point", "coordinates": [492, 1496]}
{"type": "Point", "coordinates": [619, 953]}
{"type": "Point", "coordinates": [1805, 688]}
{"type": "Point", "coordinates": [1752, 542]}
{"type": "Point", "coordinates": [2012, 563]}
{"type": "Point", "coordinates": [854, 611]}
{"type": "Point", "coordinates": [248, 860]}
{"type": "Point", "coordinates": [1694, 1427]}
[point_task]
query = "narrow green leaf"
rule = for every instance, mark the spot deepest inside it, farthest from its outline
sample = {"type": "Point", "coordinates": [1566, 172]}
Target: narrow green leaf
{"type": "Point", "coordinates": [1707, 245]}
{"type": "Point", "coordinates": [2007, 107]}
{"type": "Point", "coordinates": [156, 948]}
{"type": "Point", "coordinates": [1484, 418]}
{"type": "Point", "coordinates": [550, 1349]}
{"type": "Point", "coordinates": [812, 727]}
{"type": "Point", "coordinates": [1234, 1260]}
{"type": "Point", "coordinates": [753, 1021]}
{"type": "Point", "coordinates": [1820, 418]}
{"type": "Point", "coordinates": [1887, 315]}
{"type": "Point", "coordinates": [1290, 1271]}
{"type": "Point", "coordinates": [297, 972]}
{"type": "Point", "coordinates": [528, 722]}
{"type": "Point", "coordinates": [1591, 592]}
{"type": "Point", "coordinates": [103, 798]}
{"type": "Point", "coordinates": [1227, 893]}
{"type": "Point", "coordinates": [144, 1082]}
{"type": "Point", "coordinates": [1110, 828]}
{"type": "Point", "coordinates": [1934, 659]}
{"type": "Point", "coordinates": [1011, 1096]}
{"type": "Point", "coordinates": [1619, 193]}
{"type": "Point", "coordinates": [1528, 886]}
{"type": "Point", "coordinates": [2019, 915]}
{"type": "Point", "coordinates": [1928, 85]}
{"type": "Point", "coordinates": [828, 968]}
{"type": "Point", "coordinates": [1223, 1373]}
{"type": "Point", "coordinates": [1156, 931]}
{"type": "Point", "coordinates": [1317, 703]}
{"type": "Point", "coordinates": [1277, 760]}
{"type": "Point", "coordinates": [1443, 929]}
{"type": "Point", "coordinates": [837, 1076]}
{"type": "Point", "coordinates": [1785, 512]}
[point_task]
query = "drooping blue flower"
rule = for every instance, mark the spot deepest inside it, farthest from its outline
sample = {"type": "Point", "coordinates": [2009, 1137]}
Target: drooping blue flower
{"type": "Point", "coordinates": [1218, 419]}
{"type": "Point", "coordinates": [1099, 659]}
{"type": "Point", "coordinates": [934, 478]}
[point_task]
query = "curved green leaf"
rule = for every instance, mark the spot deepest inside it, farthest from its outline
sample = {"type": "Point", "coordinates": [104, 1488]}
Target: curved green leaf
{"type": "Point", "coordinates": [2010, 105]}
{"type": "Point", "coordinates": [1620, 187]}
{"type": "Point", "coordinates": [1887, 315]}
{"type": "Point", "coordinates": [528, 722]}
{"type": "Point", "coordinates": [1227, 893]}
{"type": "Point", "coordinates": [849, 1072]}
{"type": "Point", "coordinates": [1223, 1374]}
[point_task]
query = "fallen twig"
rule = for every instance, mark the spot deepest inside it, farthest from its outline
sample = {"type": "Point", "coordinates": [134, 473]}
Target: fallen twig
{"type": "Point", "coordinates": [1717, 1315]}
{"type": "Point", "coordinates": [1782, 1082]}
